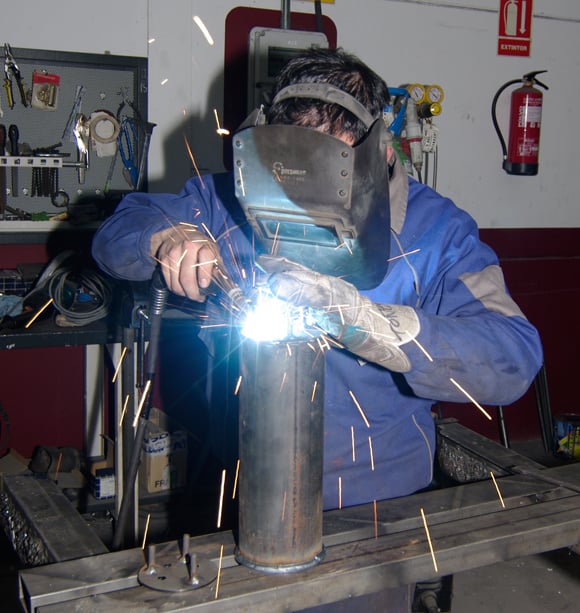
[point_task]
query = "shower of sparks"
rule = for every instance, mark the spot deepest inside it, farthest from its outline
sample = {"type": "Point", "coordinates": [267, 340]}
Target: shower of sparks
{"type": "Point", "coordinates": [199, 23]}
{"type": "Point", "coordinates": [221, 131]}
{"type": "Point", "coordinates": [221, 504]}
{"type": "Point", "coordinates": [236, 479]}
{"type": "Point", "coordinates": [470, 398]}
{"type": "Point", "coordinates": [422, 349]}
{"type": "Point", "coordinates": [119, 365]}
{"type": "Point", "coordinates": [497, 488]}
{"type": "Point", "coordinates": [371, 453]}
{"type": "Point", "coordinates": [146, 531]}
{"type": "Point", "coordinates": [283, 381]}
{"type": "Point", "coordinates": [219, 573]}
{"type": "Point", "coordinates": [403, 255]}
{"type": "Point", "coordinates": [238, 383]}
{"type": "Point", "coordinates": [359, 408]}
{"type": "Point", "coordinates": [340, 492]}
{"type": "Point", "coordinates": [38, 313]}
{"type": "Point", "coordinates": [352, 444]}
{"type": "Point", "coordinates": [190, 154]}
{"type": "Point", "coordinates": [313, 391]}
{"type": "Point", "coordinates": [125, 405]}
{"type": "Point", "coordinates": [376, 519]}
{"type": "Point", "coordinates": [141, 403]}
{"type": "Point", "coordinates": [284, 507]}
{"type": "Point", "coordinates": [429, 539]}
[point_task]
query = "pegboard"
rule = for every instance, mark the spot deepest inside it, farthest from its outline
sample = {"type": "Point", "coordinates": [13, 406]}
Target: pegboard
{"type": "Point", "coordinates": [52, 178]}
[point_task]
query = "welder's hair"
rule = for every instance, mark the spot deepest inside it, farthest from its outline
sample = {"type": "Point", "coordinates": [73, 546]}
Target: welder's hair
{"type": "Point", "coordinates": [340, 69]}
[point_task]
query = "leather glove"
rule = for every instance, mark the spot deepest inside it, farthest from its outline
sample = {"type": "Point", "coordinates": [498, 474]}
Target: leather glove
{"type": "Point", "coordinates": [374, 332]}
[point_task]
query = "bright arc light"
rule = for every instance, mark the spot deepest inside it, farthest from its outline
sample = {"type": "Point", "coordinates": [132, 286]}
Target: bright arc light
{"type": "Point", "coordinates": [272, 319]}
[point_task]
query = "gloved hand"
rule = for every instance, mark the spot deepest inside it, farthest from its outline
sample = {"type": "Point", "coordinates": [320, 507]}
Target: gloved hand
{"type": "Point", "coordinates": [370, 330]}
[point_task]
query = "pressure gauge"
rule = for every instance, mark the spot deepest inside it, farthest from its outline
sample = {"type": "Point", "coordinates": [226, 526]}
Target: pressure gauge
{"type": "Point", "coordinates": [416, 92]}
{"type": "Point", "coordinates": [434, 93]}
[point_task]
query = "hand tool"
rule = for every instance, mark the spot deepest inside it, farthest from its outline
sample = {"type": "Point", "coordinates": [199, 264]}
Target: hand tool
{"type": "Point", "coordinates": [2, 171]}
{"type": "Point", "coordinates": [13, 135]}
{"type": "Point", "coordinates": [11, 70]}
{"type": "Point", "coordinates": [127, 144]}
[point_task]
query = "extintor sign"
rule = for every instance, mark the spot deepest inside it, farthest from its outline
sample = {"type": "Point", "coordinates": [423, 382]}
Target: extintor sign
{"type": "Point", "coordinates": [515, 27]}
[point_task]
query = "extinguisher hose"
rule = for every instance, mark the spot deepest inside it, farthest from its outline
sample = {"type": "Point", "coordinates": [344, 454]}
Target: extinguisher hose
{"type": "Point", "coordinates": [494, 116]}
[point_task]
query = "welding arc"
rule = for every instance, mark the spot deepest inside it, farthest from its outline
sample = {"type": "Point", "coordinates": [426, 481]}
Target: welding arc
{"type": "Point", "coordinates": [158, 300]}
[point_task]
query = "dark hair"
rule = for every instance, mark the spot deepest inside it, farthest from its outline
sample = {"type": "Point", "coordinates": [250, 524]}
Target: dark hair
{"type": "Point", "coordinates": [340, 69]}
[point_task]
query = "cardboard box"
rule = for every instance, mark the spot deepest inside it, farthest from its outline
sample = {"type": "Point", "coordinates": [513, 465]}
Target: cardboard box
{"type": "Point", "coordinates": [164, 460]}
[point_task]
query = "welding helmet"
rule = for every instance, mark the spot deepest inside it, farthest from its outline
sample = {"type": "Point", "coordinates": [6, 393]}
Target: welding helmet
{"type": "Point", "coordinates": [312, 198]}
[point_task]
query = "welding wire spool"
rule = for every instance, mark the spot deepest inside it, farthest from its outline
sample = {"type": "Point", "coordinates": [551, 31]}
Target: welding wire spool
{"type": "Point", "coordinates": [104, 130]}
{"type": "Point", "coordinates": [281, 442]}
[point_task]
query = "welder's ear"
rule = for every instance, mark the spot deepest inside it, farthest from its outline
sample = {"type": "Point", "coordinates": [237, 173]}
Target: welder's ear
{"type": "Point", "coordinates": [273, 263]}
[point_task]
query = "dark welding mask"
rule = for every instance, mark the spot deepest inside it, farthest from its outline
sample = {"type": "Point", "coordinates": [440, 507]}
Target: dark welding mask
{"type": "Point", "coordinates": [312, 198]}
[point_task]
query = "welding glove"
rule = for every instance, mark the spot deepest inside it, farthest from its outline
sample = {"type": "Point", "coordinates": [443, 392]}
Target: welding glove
{"type": "Point", "coordinates": [372, 331]}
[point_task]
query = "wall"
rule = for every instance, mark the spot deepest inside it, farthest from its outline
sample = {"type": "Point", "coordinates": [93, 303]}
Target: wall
{"type": "Point", "coordinates": [450, 42]}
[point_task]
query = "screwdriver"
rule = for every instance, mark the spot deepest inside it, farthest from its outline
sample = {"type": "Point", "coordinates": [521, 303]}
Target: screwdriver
{"type": "Point", "coordinates": [13, 136]}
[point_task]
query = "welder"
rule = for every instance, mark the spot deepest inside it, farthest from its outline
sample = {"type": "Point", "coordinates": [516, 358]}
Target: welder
{"type": "Point", "coordinates": [319, 208]}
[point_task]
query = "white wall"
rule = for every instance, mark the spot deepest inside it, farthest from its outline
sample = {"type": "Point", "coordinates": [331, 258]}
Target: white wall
{"type": "Point", "coordinates": [450, 42]}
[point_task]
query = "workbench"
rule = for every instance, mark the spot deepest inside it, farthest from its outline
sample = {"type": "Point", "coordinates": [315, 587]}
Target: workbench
{"type": "Point", "coordinates": [365, 550]}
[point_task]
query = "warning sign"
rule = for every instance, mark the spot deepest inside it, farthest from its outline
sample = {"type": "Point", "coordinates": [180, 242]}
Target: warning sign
{"type": "Point", "coordinates": [515, 27]}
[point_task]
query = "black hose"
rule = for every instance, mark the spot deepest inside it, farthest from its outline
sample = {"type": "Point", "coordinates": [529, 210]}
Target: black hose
{"type": "Point", "coordinates": [157, 303]}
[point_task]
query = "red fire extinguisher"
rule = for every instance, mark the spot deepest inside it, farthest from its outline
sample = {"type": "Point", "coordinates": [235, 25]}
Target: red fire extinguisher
{"type": "Point", "coordinates": [522, 154]}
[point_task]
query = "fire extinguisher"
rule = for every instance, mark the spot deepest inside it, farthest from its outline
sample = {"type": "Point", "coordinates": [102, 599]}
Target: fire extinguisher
{"type": "Point", "coordinates": [522, 154]}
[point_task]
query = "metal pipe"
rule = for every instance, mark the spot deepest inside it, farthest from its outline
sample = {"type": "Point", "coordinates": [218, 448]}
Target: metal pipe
{"type": "Point", "coordinates": [285, 17]}
{"type": "Point", "coordinates": [281, 439]}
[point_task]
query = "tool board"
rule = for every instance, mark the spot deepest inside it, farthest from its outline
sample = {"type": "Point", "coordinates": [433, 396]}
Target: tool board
{"type": "Point", "coordinates": [70, 101]}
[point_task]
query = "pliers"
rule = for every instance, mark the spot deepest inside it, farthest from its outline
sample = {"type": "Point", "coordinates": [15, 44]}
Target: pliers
{"type": "Point", "coordinates": [11, 70]}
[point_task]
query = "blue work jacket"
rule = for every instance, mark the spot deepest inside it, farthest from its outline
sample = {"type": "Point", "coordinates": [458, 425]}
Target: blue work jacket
{"type": "Point", "coordinates": [472, 333]}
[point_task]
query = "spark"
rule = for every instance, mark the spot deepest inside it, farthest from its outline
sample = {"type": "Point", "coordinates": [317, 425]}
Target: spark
{"type": "Point", "coordinates": [343, 244]}
{"type": "Point", "coordinates": [142, 402]}
{"type": "Point", "coordinates": [311, 347]}
{"type": "Point", "coordinates": [208, 232]}
{"type": "Point", "coordinates": [274, 244]}
{"type": "Point", "coordinates": [284, 507]}
{"type": "Point", "coordinates": [151, 41]}
{"type": "Point", "coordinates": [190, 153]}
{"type": "Point", "coordinates": [58, 463]}
{"type": "Point", "coordinates": [352, 444]}
{"type": "Point", "coordinates": [340, 492]}
{"type": "Point", "coordinates": [191, 227]}
{"type": "Point", "coordinates": [289, 349]}
{"type": "Point", "coordinates": [371, 452]}
{"type": "Point", "coordinates": [314, 391]}
{"type": "Point", "coordinates": [283, 381]}
{"type": "Point", "coordinates": [376, 519]}
{"type": "Point", "coordinates": [125, 405]}
{"type": "Point", "coordinates": [199, 23]}
{"type": "Point", "coordinates": [119, 365]}
{"type": "Point", "coordinates": [220, 508]}
{"type": "Point", "coordinates": [497, 488]}
{"type": "Point", "coordinates": [239, 382]}
{"type": "Point", "coordinates": [164, 81]}
{"type": "Point", "coordinates": [241, 181]}
{"type": "Point", "coordinates": [146, 531]}
{"type": "Point", "coordinates": [219, 573]}
{"type": "Point", "coordinates": [42, 309]}
{"type": "Point", "coordinates": [221, 131]}
{"type": "Point", "coordinates": [359, 408]}
{"type": "Point", "coordinates": [470, 398]}
{"type": "Point", "coordinates": [422, 349]}
{"type": "Point", "coordinates": [429, 539]}
{"type": "Point", "coordinates": [236, 479]}
{"type": "Point", "coordinates": [403, 255]}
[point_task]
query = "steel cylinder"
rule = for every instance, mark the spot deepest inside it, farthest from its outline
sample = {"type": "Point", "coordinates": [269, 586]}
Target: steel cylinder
{"type": "Point", "coordinates": [281, 440]}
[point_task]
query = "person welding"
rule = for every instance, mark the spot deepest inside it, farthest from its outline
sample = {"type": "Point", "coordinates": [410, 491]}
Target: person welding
{"type": "Point", "coordinates": [319, 208]}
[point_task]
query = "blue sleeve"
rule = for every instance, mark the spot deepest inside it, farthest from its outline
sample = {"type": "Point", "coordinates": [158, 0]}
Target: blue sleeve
{"type": "Point", "coordinates": [471, 329]}
{"type": "Point", "coordinates": [121, 246]}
